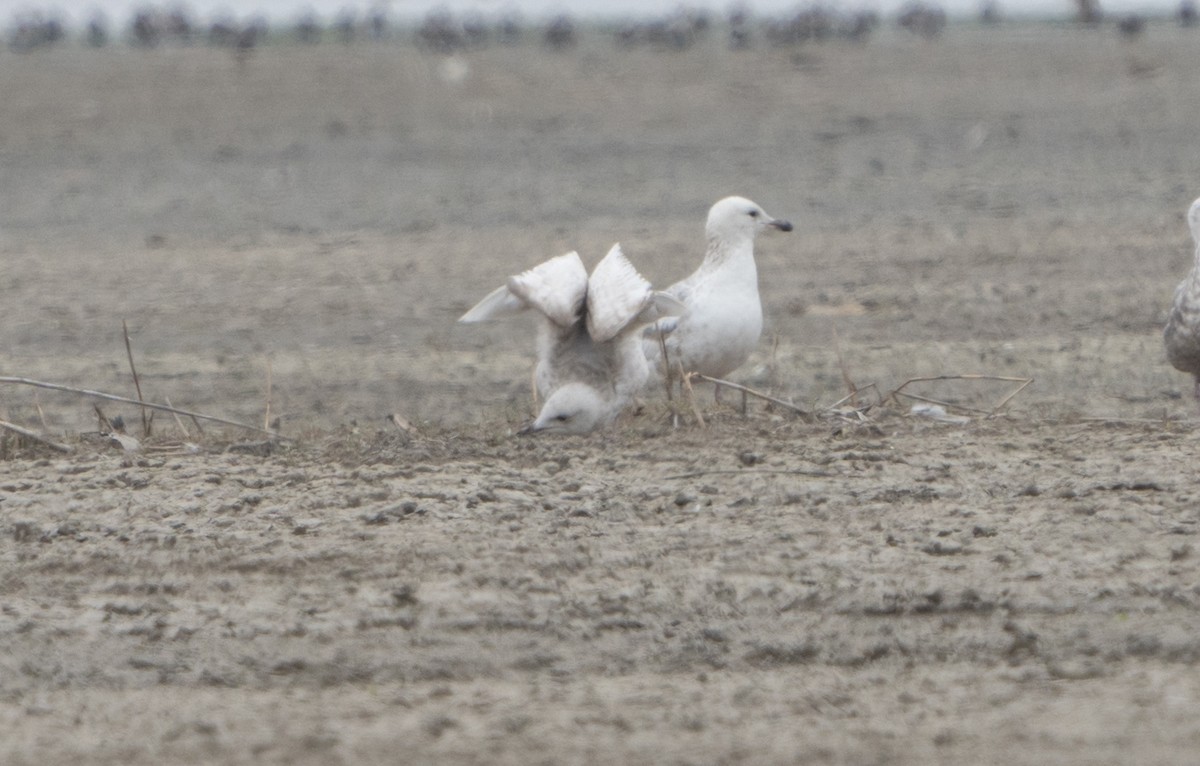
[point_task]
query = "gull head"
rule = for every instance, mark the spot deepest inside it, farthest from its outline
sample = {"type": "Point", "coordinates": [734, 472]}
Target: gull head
{"type": "Point", "coordinates": [575, 408]}
{"type": "Point", "coordinates": [737, 218]}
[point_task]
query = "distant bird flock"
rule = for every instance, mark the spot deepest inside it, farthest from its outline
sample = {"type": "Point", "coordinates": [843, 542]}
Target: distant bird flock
{"type": "Point", "coordinates": [442, 31]}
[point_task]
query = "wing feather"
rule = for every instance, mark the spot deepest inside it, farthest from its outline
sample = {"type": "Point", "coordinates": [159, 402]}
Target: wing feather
{"type": "Point", "coordinates": [617, 293]}
{"type": "Point", "coordinates": [557, 288]}
{"type": "Point", "coordinates": [498, 304]}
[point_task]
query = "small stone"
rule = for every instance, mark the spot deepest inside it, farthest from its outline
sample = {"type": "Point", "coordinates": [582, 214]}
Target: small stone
{"type": "Point", "coordinates": [684, 499]}
{"type": "Point", "coordinates": [748, 458]}
{"type": "Point", "coordinates": [304, 526]}
{"type": "Point", "coordinates": [942, 548]}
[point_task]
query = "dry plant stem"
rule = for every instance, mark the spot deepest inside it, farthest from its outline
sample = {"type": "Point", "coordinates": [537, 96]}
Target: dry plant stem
{"type": "Point", "coordinates": [267, 410]}
{"type": "Point", "coordinates": [1101, 419]}
{"type": "Point", "coordinates": [106, 425]}
{"type": "Point", "coordinates": [1000, 405]}
{"type": "Point", "coordinates": [126, 400]}
{"type": "Point", "coordinates": [774, 365]}
{"type": "Point", "coordinates": [686, 384]}
{"type": "Point", "coordinates": [533, 392]}
{"type": "Point", "coordinates": [786, 472]}
{"type": "Point", "coordinates": [853, 395]}
{"type": "Point", "coordinates": [899, 390]}
{"type": "Point", "coordinates": [662, 345]}
{"type": "Point", "coordinates": [37, 404]}
{"type": "Point", "coordinates": [182, 429]}
{"type": "Point", "coordinates": [738, 387]}
{"type": "Point", "coordinates": [137, 385]}
{"type": "Point", "coordinates": [837, 347]}
{"type": "Point", "coordinates": [199, 426]}
{"type": "Point", "coordinates": [16, 429]}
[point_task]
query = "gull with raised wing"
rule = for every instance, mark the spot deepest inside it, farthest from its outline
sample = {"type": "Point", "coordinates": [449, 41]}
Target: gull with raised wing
{"type": "Point", "coordinates": [1182, 333]}
{"type": "Point", "coordinates": [590, 361]}
{"type": "Point", "coordinates": [723, 319]}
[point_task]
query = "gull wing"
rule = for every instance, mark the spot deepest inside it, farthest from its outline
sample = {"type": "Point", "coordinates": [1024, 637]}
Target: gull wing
{"type": "Point", "coordinates": [498, 304]}
{"type": "Point", "coordinates": [556, 288]}
{"type": "Point", "coordinates": [616, 295]}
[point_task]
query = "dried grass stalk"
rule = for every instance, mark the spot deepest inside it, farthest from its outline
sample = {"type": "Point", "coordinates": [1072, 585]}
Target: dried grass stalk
{"type": "Point", "coordinates": [853, 389]}
{"type": "Point", "coordinates": [137, 385]}
{"type": "Point", "coordinates": [995, 409]}
{"type": "Point", "coordinates": [267, 409]}
{"type": "Point", "coordinates": [178, 422]}
{"type": "Point", "coordinates": [20, 431]}
{"type": "Point", "coordinates": [685, 384]}
{"type": "Point", "coordinates": [750, 391]}
{"type": "Point", "coordinates": [126, 400]}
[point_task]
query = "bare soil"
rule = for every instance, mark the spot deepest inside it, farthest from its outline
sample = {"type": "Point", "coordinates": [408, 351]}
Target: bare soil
{"type": "Point", "coordinates": [300, 231]}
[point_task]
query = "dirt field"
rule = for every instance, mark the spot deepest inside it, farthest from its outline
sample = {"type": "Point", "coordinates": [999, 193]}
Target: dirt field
{"type": "Point", "coordinates": [884, 589]}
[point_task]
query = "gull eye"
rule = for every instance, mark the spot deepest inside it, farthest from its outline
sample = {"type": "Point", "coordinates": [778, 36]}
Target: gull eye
{"type": "Point", "coordinates": [562, 418]}
{"type": "Point", "coordinates": [754, 214]}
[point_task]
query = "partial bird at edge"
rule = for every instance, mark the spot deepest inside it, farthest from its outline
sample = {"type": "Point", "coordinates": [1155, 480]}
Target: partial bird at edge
{"type": "Point", "coordinates": [1181, 335]}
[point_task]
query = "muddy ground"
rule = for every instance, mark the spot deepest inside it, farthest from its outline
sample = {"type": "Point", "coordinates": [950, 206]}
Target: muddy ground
{"type": "Point", "coordinates": [299, 231]}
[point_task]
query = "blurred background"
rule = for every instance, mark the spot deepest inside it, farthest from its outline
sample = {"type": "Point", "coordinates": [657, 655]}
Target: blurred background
{"type": "Point", "coordinates": [280, 12]}
{"type": "Point", "coordinates": [293, 203]}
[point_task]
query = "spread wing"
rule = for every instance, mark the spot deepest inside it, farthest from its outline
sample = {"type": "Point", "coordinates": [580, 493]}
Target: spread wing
{"type": "Point", "coordinates": [617, 294]}
{"type": "Point", "coordinates": [498, 304]}
{"type": "Point", "coordinates": [556, 288]}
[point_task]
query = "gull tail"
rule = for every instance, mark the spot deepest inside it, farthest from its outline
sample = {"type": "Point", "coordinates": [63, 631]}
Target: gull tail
{"type": "Point", "coordinates": [661, 318]}
{"type": "Point", "coordinates": [662, 313]}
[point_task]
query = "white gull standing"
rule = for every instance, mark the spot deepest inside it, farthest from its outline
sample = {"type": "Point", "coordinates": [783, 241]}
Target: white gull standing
{"type": "Point", "coordinates": [590, 359]}
{"type": "Point", "coordinates": [723, 321]}
{"type": "Point", "coordinates": [1181, 336]}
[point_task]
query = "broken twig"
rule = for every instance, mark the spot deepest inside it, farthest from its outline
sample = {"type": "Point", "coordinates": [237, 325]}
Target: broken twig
{"type": "Point", "coordinates": [780, 472]}
{"type": "Point", "coordinates": [126, 400]}
{"type": "Point", "coordinates": [267, 412]}
{"type": "Point", "coordinates": [137, 385]}
{"type": "Point", "coordinates": [20, 431]}
{"type": "Point", "coordinates": [746, 390]}
{"type": "Point", "coordinates": [685, 385]}
{"type": "Point", "coordinates": [995, 410]}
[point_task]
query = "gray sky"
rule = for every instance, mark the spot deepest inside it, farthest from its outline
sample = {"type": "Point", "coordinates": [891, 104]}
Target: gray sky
{"type": "Point", "coordinates": [120, 10]}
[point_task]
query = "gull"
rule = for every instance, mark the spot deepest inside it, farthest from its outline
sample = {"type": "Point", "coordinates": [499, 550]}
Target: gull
{"type": "Point", "coordinates": [723, 318]}
{"type": "Point", "coordinates": [590, 362]}
{"type": "Point", "coordinates": [1182, 333]}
